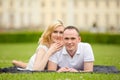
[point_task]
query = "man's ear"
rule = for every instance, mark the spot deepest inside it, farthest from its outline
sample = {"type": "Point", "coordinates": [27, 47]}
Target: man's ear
{"type": "Point", "coordinates": [79, 39]}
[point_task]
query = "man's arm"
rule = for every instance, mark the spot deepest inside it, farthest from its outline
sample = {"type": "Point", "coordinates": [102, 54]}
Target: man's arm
{"type": "Point", "coordinates": [52, 66]}
{"type": "Point", "coordinates": [88, 66]}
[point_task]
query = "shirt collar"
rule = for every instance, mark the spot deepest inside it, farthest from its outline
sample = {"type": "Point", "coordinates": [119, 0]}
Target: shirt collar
{"type": "Point", "coordinates": [64, 51]}
{"type": "Point", "coordinates": [78, 49]}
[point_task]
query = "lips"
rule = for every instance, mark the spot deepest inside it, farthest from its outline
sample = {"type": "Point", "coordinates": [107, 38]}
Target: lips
{"type": "Point", "coordinates": [70, 45]}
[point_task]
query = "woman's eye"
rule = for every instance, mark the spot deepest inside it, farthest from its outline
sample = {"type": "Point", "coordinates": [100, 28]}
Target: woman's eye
{"type": "Point", "coordinates": [61, 32]}
{"type": "Point", "coordinates": [55, 31]}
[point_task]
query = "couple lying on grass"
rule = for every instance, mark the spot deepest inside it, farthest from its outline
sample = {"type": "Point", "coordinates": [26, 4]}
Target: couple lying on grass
{"type": "Point", "coordinates": [61, 47]}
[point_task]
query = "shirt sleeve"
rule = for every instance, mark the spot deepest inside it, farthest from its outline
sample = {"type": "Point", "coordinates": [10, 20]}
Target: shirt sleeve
{"type": "Point", "coordinates": [88, 53]}
{"type": "Point", "coordinates": [43, 47]}
{"type": "Point", "coordinates": [32, 59]}
{"type": "Point", "coordinates": [54, 58]}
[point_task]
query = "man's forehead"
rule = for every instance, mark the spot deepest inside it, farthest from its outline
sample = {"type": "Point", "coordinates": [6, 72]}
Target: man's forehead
{"type": "Point", "coordinates": [70, 35]}
{"type": "Point", "coordinates": [70, 32]}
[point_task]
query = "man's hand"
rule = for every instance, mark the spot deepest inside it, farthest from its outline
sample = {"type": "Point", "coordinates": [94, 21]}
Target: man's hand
{"type": "Point", "coordinates": [63, 69]}
{"type": "Point", "coordinates": [72, 70]}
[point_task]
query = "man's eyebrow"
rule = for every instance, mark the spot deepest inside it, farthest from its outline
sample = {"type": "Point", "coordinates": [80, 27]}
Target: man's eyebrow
{"type": "Point", "coordinates": [66, 38]}
{"type": "Point", "coordinates": [69, 38]}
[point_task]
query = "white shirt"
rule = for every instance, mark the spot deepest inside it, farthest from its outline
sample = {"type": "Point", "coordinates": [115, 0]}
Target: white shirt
{"type": "Point", "coordinates": [32, 59]}
{"type": "Point", "coordinates": [83, 54]}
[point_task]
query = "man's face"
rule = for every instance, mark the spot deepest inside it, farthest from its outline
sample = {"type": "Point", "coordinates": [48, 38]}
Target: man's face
{"type": "Point", "coordinates": [71, 39]}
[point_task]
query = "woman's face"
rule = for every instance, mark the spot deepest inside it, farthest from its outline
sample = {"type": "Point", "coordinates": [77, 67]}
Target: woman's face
{"type": "Point", "coordinates": [57, 34]}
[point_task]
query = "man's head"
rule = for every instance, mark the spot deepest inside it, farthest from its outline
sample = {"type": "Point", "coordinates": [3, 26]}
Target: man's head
{"type": "Point", "coordinates": [71, 38]}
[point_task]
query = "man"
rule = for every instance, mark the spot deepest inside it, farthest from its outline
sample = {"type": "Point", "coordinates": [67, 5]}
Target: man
{"type": "Point", "coordinates": [75, 56]}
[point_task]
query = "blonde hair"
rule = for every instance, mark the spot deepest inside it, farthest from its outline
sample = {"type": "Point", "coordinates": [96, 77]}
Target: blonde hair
{"type": "Point", "coordinates": [45, 38]}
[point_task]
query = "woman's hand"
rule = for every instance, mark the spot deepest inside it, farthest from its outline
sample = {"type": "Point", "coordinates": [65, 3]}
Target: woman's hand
{"type": "Point", "coordinates": [55, 47]}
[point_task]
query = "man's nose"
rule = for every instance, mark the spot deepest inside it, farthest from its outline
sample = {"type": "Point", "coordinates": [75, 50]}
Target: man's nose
{"type": "Point", "coordinates": [69, 41]}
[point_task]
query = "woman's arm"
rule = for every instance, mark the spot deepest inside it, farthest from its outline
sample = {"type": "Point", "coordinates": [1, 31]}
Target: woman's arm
{"type": "Point", "coordinates": [38, 60]}
{"type": "Point", "coordinates": [20, 64]}
{"type": "Point", "coordinates": [42, 56]}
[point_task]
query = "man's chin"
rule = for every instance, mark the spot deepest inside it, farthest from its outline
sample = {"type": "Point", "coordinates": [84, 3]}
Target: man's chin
{"type": "Point", "coordinates": [70, 49]}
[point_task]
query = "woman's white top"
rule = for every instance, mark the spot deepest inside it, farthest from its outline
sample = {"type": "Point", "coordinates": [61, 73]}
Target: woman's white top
{"type": "Point", "coordinates": [32, 59]}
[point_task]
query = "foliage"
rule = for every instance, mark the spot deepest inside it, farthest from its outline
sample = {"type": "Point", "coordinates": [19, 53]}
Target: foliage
{"type": "Point", "coordinates": [106, 38]}
{"type": "Point", "coordinates": [15, 37]}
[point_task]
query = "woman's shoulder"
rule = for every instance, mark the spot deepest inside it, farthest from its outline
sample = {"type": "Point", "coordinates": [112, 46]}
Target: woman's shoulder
{"type": "Point", "coordinates": [42, 46]}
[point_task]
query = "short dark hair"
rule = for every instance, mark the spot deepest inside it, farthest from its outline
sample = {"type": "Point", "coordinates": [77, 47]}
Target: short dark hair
{"type": "Point", "coordinates": [72, 27]}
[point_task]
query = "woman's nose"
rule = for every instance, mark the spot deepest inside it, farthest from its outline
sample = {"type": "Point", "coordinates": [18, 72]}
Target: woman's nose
{"type": "Point", "coordinates": [59, 34]}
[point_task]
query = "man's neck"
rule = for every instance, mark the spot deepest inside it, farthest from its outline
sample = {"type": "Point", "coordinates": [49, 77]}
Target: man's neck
{"type": "Point", "coordinates": [72, 53]}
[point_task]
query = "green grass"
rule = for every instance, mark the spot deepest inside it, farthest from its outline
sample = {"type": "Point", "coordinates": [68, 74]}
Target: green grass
{"type": "Point", "coordinates": [105, 54]}
{"type": "Point", "coordinates": [19, 51]}
{"type": "Point", "coordinates": [59, 76]}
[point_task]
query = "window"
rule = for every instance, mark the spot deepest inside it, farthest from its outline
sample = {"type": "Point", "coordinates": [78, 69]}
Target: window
{"type": "Point", "coordinates": [107, 3]}
{"type": "Point", "coordinates": [63, 3]}
{"type": "Point", "coordinates": [76, 3]}
{"type": "Point", "coordinates": [42, 3]}
{"type": "Point", "coordinates": [118, 19]}
{"type": "Point", "coordinates": [0, 19]}
{"type": "Point", "coordinates": [86, 3]}
{"type": "Point", "coordinates": [0, 2]}
{"type": "Point", "coordinates": [107, 19]}
{"type": "Point", "coordinates": [118, 3]}
{"type": "Point", "coordinates": [21, 2]}
{"type": "Point", "coordinates": [53, 3]}
{"type": "Point", "coordinates": [97, 17]}
{"type": "Point", "coordinates": [96, 3]}
{"type": "Point", "coordinates": [86, 18]}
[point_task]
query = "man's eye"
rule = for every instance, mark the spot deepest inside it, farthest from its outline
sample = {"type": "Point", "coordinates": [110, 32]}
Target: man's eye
{"type": "Point", "coordinates": [66, 38]}
{"type": "Point", "coordinates": [72, 38]}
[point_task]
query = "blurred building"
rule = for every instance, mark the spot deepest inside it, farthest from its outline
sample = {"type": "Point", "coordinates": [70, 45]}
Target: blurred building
{"type": "Point", "coordinates": [37, 14]}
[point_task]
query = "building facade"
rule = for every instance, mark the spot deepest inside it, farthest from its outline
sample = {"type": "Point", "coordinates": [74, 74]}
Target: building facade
{"type": "Point", "coordinates": [17, 14]}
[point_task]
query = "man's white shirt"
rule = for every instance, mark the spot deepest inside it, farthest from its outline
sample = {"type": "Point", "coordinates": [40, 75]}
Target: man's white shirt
{"type": "Point", "coordinates": [83, 54]}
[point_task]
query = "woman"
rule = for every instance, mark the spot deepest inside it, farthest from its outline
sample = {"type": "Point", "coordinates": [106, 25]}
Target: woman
{"type": "Point", "coordinates": [49, 43]}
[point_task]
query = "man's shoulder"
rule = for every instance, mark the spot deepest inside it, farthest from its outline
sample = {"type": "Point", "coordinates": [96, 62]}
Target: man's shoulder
{"type": "Point", "coordinates": [84, 44]}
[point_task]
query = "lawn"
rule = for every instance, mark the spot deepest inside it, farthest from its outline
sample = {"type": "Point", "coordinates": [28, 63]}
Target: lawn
{"type": "Point", "coordinates": [105, 54]}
